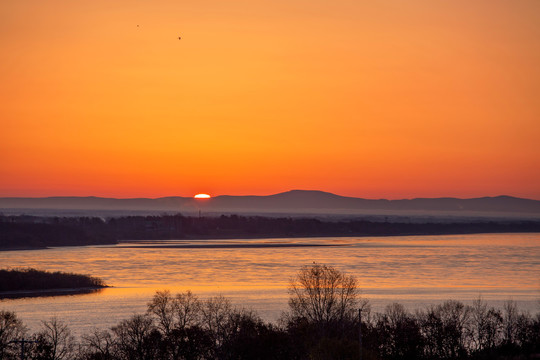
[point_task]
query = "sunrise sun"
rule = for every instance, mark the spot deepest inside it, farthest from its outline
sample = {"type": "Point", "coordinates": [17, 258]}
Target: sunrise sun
{"type": "Point", "coordinates": [202, 196]}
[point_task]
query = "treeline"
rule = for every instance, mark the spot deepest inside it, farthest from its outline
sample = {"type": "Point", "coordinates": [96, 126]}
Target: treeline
{"type": "Point", "coordinates": [32, 279]}
{"type": "Point", "coordinates": [28, 231]}
{"type": "Point", "coordinates": [182, 326]}
{"type": "Point", "coordinates": [20, 232]}
{"type": "Point", "coordinates": [322, 323]}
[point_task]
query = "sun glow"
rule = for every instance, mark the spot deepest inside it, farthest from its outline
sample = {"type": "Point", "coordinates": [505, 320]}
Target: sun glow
{"type": "Point", "coordinates": [202, 196]}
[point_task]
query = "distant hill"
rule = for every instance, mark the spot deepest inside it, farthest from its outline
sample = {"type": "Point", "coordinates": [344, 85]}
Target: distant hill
{"type": "Point", "coordinates": [290, 202]}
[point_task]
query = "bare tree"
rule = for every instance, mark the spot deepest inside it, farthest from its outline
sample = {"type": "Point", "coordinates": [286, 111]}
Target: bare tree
{"type": "Point", "coordinates": [179, 319]}
{"type": "Point", "coordinates": [136, 338]}
{"type": "Point", "coordinates": [486, 326]}
{"type": "Point", "coordinates": [510, 319]}
{"type": "Point", "coordinates": [55, 341]}
{"type": "Point", "coordinates": [175, 312]}
{"type": "Point", "coordinates": [215, 313]}
{"type": "Point", "coordinates": [187, 308]}
{"type": "Point", "coordinates": [445, 328]}
{"type": "Point", "coordinates": [322, 295]}
{"type": "Point", "coordinates": [11, 328]}
{"type": "Point", "coordinates": [398, 333]}
{"type": "Point", "coordinates": [100, 344]}
{"type": "Point", "coordinates": [162, 306]}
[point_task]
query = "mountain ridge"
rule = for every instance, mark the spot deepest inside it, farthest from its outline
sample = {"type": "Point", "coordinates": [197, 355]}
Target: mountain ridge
{"type": "Point", "coordinates": [293, 201]}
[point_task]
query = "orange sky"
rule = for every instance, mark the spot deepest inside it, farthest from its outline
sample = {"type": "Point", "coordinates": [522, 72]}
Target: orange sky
{"type": "Point", "coordinates": [376, 99]}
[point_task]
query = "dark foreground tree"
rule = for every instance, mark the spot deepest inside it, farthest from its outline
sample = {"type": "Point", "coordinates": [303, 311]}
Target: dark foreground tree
{"type": "Point", "coordinates": [398, 334]}
{"type": "Point", "coordinates": [54, 342]}
{"type": "Point", "coordinates": [323, 318]}
{"type": "Point", "coordinates": [137, 338]}
{"type": "Point", "coordinates": [11, 329]}
{"type": "Point", "coordinates": [445, 328]}
{"type": "Point", "coordinates": [98, 345]}
{"type": "Point", "coordinates": [323, 295]}
{"type": "Point", "coordinates": [181, 327]}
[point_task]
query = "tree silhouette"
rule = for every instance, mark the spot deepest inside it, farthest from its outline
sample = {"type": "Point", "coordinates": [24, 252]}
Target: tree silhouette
{"type": "Point", "coordinates": [323, 294]}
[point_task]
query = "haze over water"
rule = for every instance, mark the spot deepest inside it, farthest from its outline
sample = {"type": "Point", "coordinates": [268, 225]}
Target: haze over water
{"type": "Point", "coordinates": [414, 270]}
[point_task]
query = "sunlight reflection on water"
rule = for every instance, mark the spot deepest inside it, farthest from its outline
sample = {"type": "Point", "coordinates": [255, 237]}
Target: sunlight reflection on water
{"type": "Point", "coordinates": [413, 270]}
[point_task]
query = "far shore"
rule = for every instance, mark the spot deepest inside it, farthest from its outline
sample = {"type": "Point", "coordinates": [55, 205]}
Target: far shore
{"type": "Point", "coordinates": [24, 233]}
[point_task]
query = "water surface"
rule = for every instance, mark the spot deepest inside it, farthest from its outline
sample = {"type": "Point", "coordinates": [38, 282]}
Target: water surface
{"type": "Point", "coordinates": [414, 270]}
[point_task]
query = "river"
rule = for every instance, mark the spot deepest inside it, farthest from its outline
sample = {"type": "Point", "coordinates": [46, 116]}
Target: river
{"type": "Point", "coordinates": [414, 270]}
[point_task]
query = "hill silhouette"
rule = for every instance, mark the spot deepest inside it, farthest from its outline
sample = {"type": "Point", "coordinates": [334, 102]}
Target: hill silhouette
{"type": "Point", "coordinates": [290, 202]}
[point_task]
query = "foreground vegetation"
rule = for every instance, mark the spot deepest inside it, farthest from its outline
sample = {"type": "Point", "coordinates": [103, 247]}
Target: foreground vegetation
{"type": "Point", "coordinates": [19, 232]}
{"type": "Point", "coordinates": [32, 280]}
{"type": "Point", "coordinates": [322, 323]}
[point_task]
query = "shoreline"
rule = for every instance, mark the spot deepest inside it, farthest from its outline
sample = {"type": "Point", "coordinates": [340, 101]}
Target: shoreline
{"type": "Point", "coordinates": [20, 294]}
{"type": "Point", "coordinates": [24, 248]}
{"type": "Point", "coordinates": [224, 246]}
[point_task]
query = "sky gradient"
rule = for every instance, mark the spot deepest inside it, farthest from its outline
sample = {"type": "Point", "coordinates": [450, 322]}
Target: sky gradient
{"type": "Point", "coordinates": [379, 99]}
